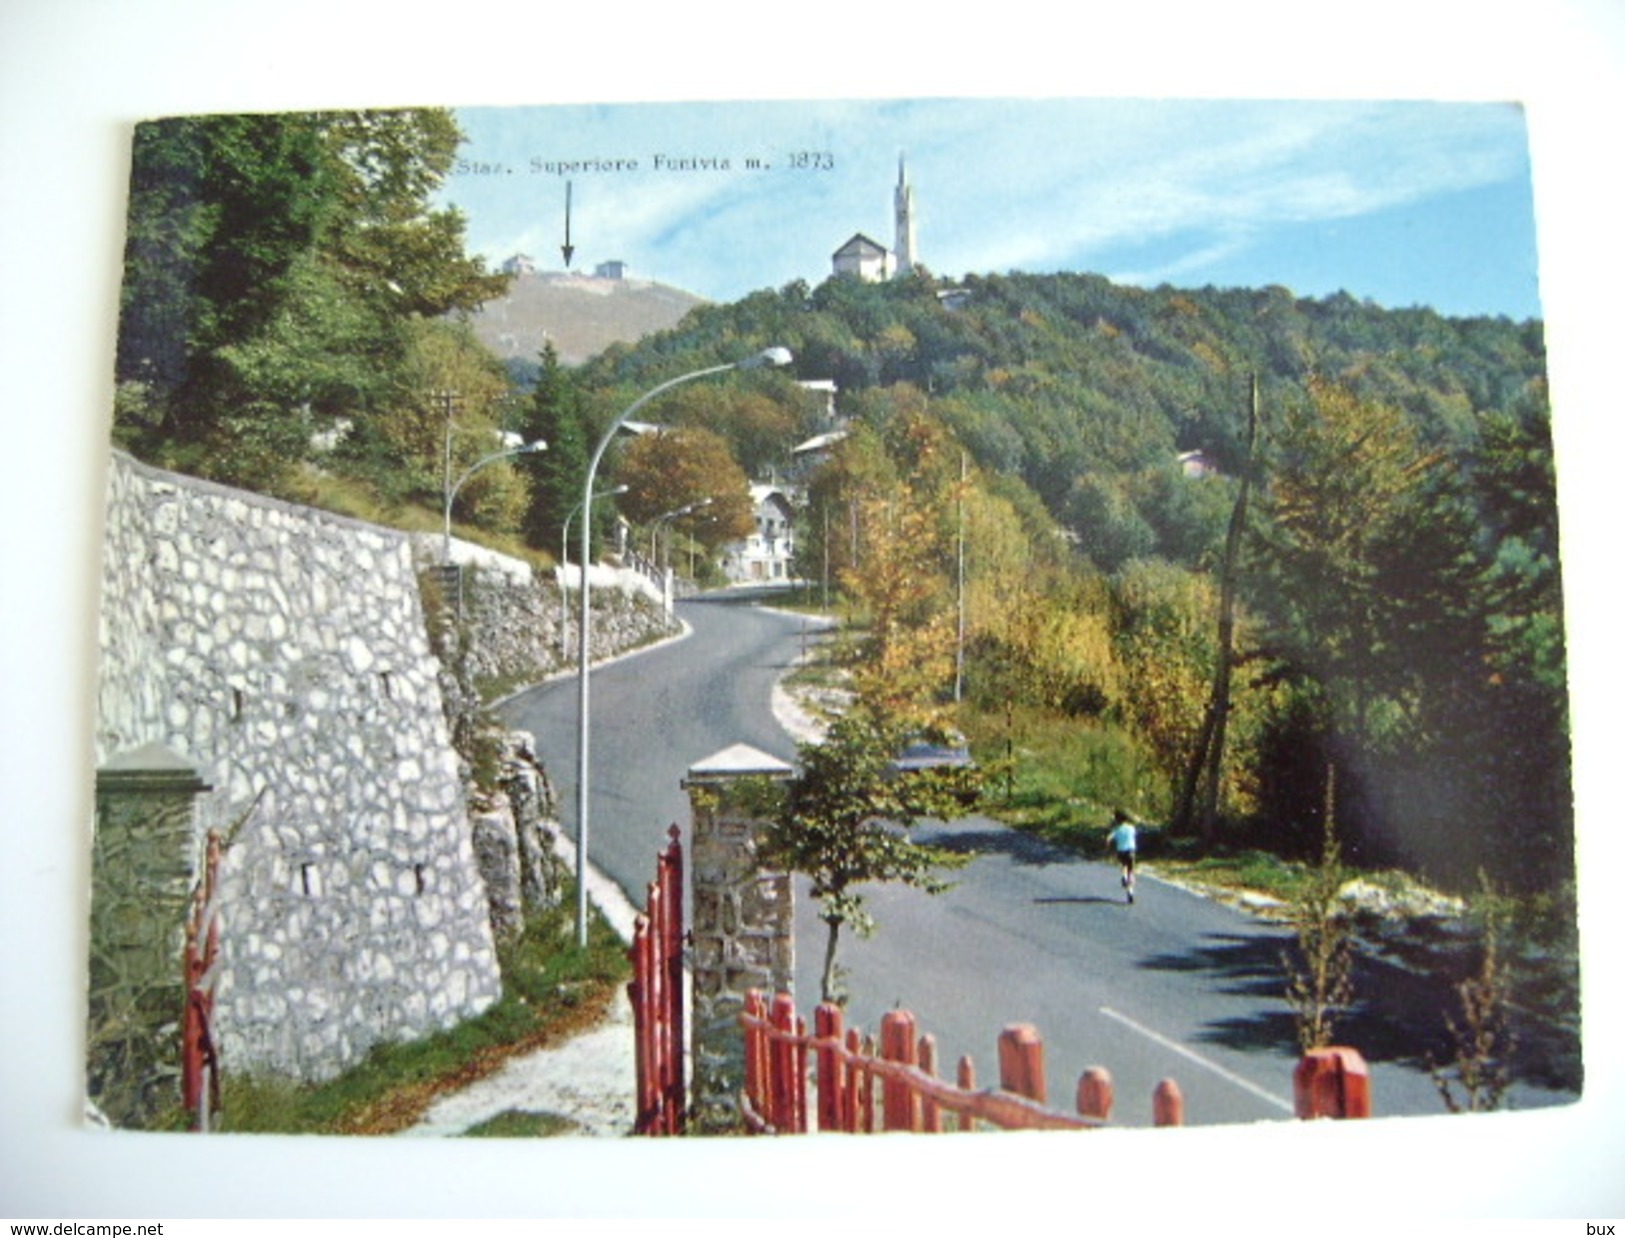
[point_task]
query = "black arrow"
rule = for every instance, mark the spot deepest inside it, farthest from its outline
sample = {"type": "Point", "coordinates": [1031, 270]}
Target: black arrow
{"type": "Point", "coordinates": [569, 249]}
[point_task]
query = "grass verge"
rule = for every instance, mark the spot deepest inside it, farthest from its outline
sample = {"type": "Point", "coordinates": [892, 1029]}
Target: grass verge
{"type": "Point", "coordinates": [552, 989]}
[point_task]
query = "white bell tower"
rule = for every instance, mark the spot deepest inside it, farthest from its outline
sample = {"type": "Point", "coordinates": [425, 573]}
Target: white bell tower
{"type": "Point", "coordinates": [903, 205]}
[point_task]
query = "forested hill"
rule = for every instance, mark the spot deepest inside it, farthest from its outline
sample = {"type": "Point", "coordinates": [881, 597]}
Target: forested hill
{"type": "Point", "coordinates": [1055, 377]}
{"type": "Point", "coordinates": [1400, 631]}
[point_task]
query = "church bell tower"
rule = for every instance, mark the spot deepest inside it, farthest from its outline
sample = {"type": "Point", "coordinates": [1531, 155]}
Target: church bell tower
{"type": "Point", "coordinates": [903, 206]}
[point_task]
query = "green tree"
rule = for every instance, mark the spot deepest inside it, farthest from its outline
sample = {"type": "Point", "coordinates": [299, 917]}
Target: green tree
{"type": "Point", "coordinates": [1347, 482]}
{"type": "Point", "coordinates": [844, 820]}
{"type": "Point", "coordinates": [1166, 650]}
{"type": "Point", "coordinates": [271, 263]}
{"type": "Point", "coordinates": [447, 417]}
{"type": "Point", "coordinates": [558, 475]}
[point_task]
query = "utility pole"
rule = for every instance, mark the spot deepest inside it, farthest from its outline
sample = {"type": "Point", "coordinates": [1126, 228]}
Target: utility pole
{"type": "Point", "coordinates": [959, 647]}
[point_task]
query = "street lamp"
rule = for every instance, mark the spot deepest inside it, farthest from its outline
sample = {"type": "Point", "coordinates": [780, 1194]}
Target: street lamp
{"type": "Point", "coordinates": [767, 357]}
{"type": "Point", "coordinates": [687, 509]}
{"type": "Point", "coordinates": [451, 491]}
{"type": "Point", "coordinates": [564, 562]}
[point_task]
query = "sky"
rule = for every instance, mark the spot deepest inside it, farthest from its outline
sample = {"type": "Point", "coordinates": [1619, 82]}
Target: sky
{"type": "Point", "coordinates": [1399, 203]}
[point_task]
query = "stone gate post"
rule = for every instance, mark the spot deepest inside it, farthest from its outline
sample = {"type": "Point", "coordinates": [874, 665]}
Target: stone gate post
{"type": "Point", "coordinates": [743, 927]}
{"type": "Point", "coordinates": [141, 885]}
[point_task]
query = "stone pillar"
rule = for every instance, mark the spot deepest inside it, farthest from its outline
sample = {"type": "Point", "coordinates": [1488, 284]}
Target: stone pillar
{"type": "Point", "coordinates": [142, 876]}
{"type": "Point", "coordinates": [743, 927]}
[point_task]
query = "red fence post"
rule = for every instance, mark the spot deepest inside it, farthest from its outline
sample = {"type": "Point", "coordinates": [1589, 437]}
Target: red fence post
{"type": "Point", "coordinates": [637, 990]}
{"type": "Point", "coordinates": [930, 1112]}
{"type": "Point", "coordinates": [191, 1022]}
{"type": "Point", "coordinates": [653, 980]}
{"type": "Point", "coordinates": [827, 1024]}
{"type": "Point", "coordinates": [1332, 1083]}
{"type": "Point", "coordinates": [1168, 1104]}
{"type": "Point", "coordinates": [789, 1091]}
{"type": "Point", "coordinates": [897, 1045]}
{"type": "Point", "coordinates": [755, 1054]}
{"type": "Point", "coordinates": [1021, 1061]}
{"type": "Point", "coordinates": [1095, 1093]}
{"type": "Point", "coordinates": [966, 1079]}
{"type": "Point", "coordinates": [861, 1111]}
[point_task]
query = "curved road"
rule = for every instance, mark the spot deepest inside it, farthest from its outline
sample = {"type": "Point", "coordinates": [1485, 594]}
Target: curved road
{"type": "Point", "coordinates": [1174, 987]}
{"type": "Point", "coordinates": [656, 714]}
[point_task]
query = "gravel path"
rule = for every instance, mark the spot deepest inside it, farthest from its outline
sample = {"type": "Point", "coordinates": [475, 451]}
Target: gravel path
{"type": "Point", "coordinates": [589, 1080]}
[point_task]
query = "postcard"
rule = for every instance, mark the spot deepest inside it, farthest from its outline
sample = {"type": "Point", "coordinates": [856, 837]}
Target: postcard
{"type": "Point", "coordinates": [1082, 574]}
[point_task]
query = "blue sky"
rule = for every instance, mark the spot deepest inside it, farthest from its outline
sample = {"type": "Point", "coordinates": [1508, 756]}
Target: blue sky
{"type": "Point", "coordinates": [1400, 203]}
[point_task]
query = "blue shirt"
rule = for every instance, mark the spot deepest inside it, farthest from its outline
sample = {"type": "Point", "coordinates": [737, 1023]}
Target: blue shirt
{"type": "Point", "coordinates": [1123, 838]}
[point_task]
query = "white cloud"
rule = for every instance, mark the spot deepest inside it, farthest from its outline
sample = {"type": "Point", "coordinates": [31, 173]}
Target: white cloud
{"type": "Point", "coordinates": [1000, 184]}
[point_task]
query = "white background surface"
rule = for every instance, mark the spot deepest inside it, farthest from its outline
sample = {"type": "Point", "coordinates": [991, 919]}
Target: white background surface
{"type": "Point", "coordinates": [76, 74]}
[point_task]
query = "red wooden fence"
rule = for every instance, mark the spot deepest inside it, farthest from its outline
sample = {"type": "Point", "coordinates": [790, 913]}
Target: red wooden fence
{"type": "Point", "coordinates": [850, 1067]}
{"type": "Point", "coordinates": [200, 1063]}
{"type": "Point", "coordinates": [656, 991]}
{"type": "Point", "coordinates": [1332, 1083]}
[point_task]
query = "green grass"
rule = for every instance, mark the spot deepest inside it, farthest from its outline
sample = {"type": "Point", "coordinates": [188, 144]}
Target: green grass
{"type": "Point", "coordinates": [1059, 777]}
{"type": "Point", "coordinates": [1249, 870]}
{"type": "Point", "coordinates": [348, 497]}
{"type": "Point", "coordinates": [551, 988]}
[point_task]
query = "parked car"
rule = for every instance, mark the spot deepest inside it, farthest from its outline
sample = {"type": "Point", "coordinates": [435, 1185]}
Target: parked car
{"type": "Point", "coordinates": [925, 753]}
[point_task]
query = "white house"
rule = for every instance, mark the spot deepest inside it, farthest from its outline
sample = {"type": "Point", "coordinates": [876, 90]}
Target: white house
{"type": "Point", "coordinates": [868, 260]}
{"type": "Point", "coordinates": [765, 555]}
{"type": "Point", "coordinates": [1197, 464]}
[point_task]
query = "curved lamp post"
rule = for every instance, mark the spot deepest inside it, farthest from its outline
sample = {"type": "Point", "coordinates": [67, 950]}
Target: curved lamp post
{"type": "Point", "coordinates": [687, 509]}
{"type": "Point", "coordinates": [564, 563]}
{"type": "Point", "coordinates": [451, 491]}
{"type": "Point", "coordinates": [767, 357]}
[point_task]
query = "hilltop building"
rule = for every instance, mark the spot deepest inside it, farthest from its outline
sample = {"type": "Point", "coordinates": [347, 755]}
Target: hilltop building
{"type": "Point", "coordinates": [868, 259]}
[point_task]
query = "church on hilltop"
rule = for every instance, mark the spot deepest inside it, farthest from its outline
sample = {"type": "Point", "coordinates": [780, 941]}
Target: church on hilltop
{"type": "Point", "coordinates": [872, 261]}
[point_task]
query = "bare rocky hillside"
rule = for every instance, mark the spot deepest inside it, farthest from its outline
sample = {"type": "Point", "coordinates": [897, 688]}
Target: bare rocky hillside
{"type": "Point", "coordinates": [581, 314]}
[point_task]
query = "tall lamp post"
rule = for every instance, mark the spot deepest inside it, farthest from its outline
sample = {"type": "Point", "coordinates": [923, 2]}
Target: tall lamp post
{"type": "Point", "coordinates": [767, 357]}
{"type": "Point", "coordinates": [564, 563]}
{"type": "Point", "coordinates": [688, 509]}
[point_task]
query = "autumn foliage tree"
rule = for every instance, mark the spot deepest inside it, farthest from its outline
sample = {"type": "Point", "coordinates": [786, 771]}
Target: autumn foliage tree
{"type": "Point", "coordinates": [666, 470]}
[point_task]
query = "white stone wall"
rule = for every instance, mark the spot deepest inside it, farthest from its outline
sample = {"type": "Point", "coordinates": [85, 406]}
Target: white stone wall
{"type": "Point", "coordinates": [283, 651]}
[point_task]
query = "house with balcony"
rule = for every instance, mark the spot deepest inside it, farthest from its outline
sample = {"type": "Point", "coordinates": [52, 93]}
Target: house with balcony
{"type": "Point", "coordinates": [763, 557]}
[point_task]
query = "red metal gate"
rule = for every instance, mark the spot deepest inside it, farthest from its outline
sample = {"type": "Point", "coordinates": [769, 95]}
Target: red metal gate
{"type": "Point", "coordinates": [656, 991]}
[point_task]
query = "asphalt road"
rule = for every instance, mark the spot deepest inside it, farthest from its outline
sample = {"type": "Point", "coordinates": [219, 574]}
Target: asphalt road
{"type": "Point", "coordinates": [1175, 986]}
{"type": "Point", "coordinates": [655, 715]}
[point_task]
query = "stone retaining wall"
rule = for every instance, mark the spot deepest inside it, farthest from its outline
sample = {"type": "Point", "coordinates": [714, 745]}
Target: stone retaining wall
{"type": "Point", "coordinates": [283, 651]}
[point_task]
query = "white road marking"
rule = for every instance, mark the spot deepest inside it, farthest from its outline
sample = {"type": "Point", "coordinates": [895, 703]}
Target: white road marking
{"type": "Point", "coordinates": [1201, 1061]}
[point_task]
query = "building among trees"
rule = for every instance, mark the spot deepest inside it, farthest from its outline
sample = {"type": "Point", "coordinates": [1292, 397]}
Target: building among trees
{"type": "Point", "coordinates": [868, 259]}
{"type": "Point", "coordinates": [766, 554]}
